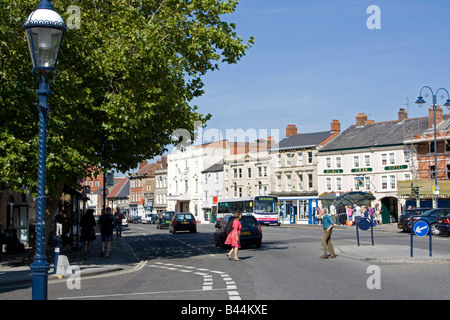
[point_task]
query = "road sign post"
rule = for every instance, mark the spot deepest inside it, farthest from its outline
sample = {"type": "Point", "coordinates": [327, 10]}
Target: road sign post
{"type": "Point", "coordinates": [364, 224]}
{"type": "Point", "coordinates": [421, 228]}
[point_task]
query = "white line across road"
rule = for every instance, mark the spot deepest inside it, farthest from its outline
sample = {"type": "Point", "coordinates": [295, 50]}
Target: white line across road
{"type": "Point", "coordinates": [208, 282]}
{"type": "Point", "coordinates": [207, 275]}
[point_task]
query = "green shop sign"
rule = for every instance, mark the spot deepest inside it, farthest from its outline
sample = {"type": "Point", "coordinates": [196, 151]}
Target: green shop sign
{"type": "Point", "coordinates": [400, 167]}
{"type": "Point", "coordinates": [362, 170]}
{"type": "Point", "coordinates": [333, 171]}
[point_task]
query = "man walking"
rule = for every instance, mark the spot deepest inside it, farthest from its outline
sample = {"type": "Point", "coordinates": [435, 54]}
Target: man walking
{"type": "Point", "coordinates": [118, 217]}
{"type": "Point", "coordinates": [327, 231]}
{"type": "Point", "coordinates": [106, 222]}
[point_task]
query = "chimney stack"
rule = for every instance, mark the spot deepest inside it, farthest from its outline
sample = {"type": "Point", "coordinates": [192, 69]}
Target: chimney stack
{"type": "Point", "coordinates": [439, 116]}
{"type": "Point", "coordinates": [291, 129]}
{"type": "Point", "coordinates": [402, 115]}
{"type": "Point", "coordinates": [361, 120]}
{"type": "Point", "coordinates": [335, 126]}
{"type": "Point", "coordinates": [270, 142]}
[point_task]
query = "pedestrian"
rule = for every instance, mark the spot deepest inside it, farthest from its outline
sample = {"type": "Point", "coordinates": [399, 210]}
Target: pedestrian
{"type": "Point", "coordinates": [118, 216]}
{"type": "Point", "coordinates": [333, 212]}
{"type": "Point", "coordinates": [87, 224]}
{"type": "Point", "coordinates": [350, 213]}
{"type": "Point", "coordinates": [59, 222]}
{"type": "Point", "coordinates": [327, 246]}
{"type": "Point", "coordinates": [357, 213]}
{"type": "Point", "coordinates": [377, 214]}
{"type": "Point", "coordinates": [233, 237]}
{"type": "Point", "coordinates": [2, 240]}
{"type": "Point", "coordinates": [370, 213]}
{"type": "Point", "coordinates": [342, 214]}
{"type": "Point", "coordinates": [106, 222]}
{"type": "Point", "coordinates": [319, 215]}
{"type": "Point", "coordinates": [364, 211]}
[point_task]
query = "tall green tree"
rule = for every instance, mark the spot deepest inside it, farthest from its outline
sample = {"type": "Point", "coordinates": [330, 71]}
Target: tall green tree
{"type": "Point", "coordinates": [129, 72]}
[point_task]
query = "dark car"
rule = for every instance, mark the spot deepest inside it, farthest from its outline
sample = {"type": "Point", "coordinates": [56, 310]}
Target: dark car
{"type": "Point", "coordinates": [134, 219]}
{"type": "Point", "coordinates": [164, 218]}
{"type": "Point", "coordinates": [443, 224]}
{"type": "Point", "coordinates": [251, 232]}
{"type": "Point", "coordinates": [404, 222]}
{"type": "Point", "coordinates": [183, 222]}
{"type": "Point", "coordinates": [431, 217]}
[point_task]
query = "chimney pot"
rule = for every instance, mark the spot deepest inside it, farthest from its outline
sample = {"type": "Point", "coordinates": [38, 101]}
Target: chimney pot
{"type": "Point", "coordinates": [402, 115]}
{"type": "Point", "coordinates": [335, 126]}
{"type": "Point", "coordinates": [361, 119]}
{"type": "Point", "coordinates": [439, 116]}
{"type": "Point", "coordinates": [291, 129]}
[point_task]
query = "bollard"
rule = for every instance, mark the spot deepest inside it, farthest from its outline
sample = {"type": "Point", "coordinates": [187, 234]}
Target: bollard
{"type": "Point", "coordinates": [56, 254]}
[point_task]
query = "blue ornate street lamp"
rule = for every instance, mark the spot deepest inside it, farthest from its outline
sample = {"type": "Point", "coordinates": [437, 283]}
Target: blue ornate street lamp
{"type": "Point", "coordinates": [45, 30]}
{"type": "Point", "coordinates": [420, 102]}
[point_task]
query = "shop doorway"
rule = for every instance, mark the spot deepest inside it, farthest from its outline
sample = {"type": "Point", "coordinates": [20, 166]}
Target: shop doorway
{"type": "Point", "coordinates": [389, 210]}
{"type": "Point", "coordinates": [17, 216]}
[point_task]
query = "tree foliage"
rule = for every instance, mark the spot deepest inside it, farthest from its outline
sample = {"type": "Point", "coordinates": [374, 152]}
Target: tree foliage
{"type": "Point", "coordinates": [128, 76]}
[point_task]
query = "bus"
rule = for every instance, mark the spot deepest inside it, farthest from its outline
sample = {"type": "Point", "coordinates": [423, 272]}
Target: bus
{"type": "Point", "coordinates": [263, 208]}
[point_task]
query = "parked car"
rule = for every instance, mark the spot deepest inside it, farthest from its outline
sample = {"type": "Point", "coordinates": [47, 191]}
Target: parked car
{"type": "Point", "coordinates": [443, 224]}
{"type": "Point", "coordinates": [150, 218]}
{"type": "Point", "coordinates": [251, 232]}
{"type": "Point", "coordinates": [404, 222]}
{"type": "Point", "coordinates": [183, 221]}
{"type": "Point", "coordinates": [164, 219]}
{"type": "Point", "coordinates": [431, 217]}
{"type": "Point", "coordinates": [135, 219]}
{"type": "Point", "coordinates": [125, 221]}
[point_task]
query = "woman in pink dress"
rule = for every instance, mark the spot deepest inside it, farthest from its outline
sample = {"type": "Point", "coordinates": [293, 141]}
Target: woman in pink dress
{"type": "Point", "coordinates": [233, 237]}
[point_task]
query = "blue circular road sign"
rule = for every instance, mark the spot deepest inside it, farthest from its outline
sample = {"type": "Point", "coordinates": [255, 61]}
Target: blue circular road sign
{"type": "Point", "coordinates": [421, 228]}
{"type": "Point", "coordinates": [364, 224]}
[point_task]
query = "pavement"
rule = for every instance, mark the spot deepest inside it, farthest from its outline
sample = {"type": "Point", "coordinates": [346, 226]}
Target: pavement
{"type": "Point", "coordinates": [393, 254]}
{"type": "Point", "coordinates": [15, 270]}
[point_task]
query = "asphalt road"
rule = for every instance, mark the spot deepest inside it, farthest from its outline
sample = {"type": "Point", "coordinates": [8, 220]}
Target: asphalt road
{"type": "Point", "coordinates": [187, 266]}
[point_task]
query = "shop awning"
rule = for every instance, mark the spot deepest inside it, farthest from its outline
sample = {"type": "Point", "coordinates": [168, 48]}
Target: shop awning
{"type": "Point", "coordinates": [356, 197]}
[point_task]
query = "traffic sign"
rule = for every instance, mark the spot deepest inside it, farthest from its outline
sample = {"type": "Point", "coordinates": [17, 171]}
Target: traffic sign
{"type": "Point", "coordinates": [364, 223]}
{"type": "Point", "coordinates": [421, 228]}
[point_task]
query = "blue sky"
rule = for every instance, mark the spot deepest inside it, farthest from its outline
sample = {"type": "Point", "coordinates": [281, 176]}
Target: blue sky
{"type": "Point", "coordinates": [315, 60]}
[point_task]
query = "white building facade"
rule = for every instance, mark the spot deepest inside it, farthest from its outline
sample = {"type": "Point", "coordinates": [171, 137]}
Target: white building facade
{"type": "Point", "coordinates": [185, 191]}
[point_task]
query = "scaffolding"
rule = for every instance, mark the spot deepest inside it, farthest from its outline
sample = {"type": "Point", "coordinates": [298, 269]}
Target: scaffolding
{"type": "Point", "coordinates": [419, 142]}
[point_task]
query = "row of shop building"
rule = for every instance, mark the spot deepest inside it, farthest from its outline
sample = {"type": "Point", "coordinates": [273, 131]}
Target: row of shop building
{"type": "Point", "coordinates": [392, 161]}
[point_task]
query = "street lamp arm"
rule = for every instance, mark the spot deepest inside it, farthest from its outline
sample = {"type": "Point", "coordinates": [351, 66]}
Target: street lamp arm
{"type": "Point", "coordinates": [443, 89]}
{"type": "Point", "coordinates": [426, 87]}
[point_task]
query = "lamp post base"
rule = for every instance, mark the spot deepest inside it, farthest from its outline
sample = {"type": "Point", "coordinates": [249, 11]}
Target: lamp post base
{"type": "Point", "coordinates": [39, 269]}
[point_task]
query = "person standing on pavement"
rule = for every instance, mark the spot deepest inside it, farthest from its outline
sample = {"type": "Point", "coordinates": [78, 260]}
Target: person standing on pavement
{"type": "Point", "coordinates": [87, 225]}
{"type": "Point", "coordinates": [233, 237]}
{"type": "Point", "coordinates": [333, 212]}
{"type": "Point", "coordinates": [106, 222]}
{"type": "Point", "coordinates": [2, 240]}
{"type": "Point", "coordinates": [118, 216]}
{"type": "Point", "coordinates": [342, 214]}
{"type": "Point", "coordinates": [357, 213]}
{"type": "Point", "coordinates": [327, 246]}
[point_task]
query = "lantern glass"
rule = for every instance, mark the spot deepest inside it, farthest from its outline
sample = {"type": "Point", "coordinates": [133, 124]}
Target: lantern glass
{"type": "Point", "coordinates": [44, 44]}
